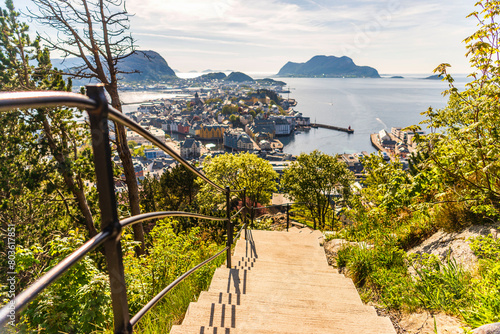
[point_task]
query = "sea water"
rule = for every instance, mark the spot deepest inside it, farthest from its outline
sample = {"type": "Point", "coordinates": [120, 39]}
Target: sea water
{"type": "Point", "coordinates": [366, 105]}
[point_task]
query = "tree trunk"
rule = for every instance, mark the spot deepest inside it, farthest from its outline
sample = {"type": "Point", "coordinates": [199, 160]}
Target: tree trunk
{"type": "Point", "coordinates": [128, 168]}
{"type": "Point", "coordinates": [69, 180]}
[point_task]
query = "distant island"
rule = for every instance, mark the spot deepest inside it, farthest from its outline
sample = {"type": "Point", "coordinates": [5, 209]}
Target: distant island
{"type": "Point", "coordinates": [434, 77]}
{"type": "Point", "coordinates": [212, 76]}
{"type": "Point", "coordinates": [327, 67]}
{"type": "Point", "coordinates": [397, 77]}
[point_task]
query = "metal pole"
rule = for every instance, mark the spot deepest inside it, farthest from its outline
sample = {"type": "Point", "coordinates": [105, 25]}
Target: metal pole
{"type": "Point", "coordinates": [229, 229]}
{"type": "Point", "coordinates": [252, 213]}
{"type": "Point", "coordinates": [287, 217]}
{"type": "Point", "coordinates": [107, 203]}
{"type": "Point", "coordinates": [245, 211]}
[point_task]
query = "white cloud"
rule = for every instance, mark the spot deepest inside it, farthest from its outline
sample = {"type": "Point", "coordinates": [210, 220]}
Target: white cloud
{"type": "Point", "coordinates": [261, 35]}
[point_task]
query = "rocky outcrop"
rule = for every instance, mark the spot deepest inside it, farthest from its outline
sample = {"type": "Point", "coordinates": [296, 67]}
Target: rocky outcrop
{"type": "Point", "coordinates": [488, 329]}
{"type": "Point", "coordinates": [456, 245]}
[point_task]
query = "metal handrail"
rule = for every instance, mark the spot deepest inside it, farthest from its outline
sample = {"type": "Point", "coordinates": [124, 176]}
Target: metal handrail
{"type": "Point", "coordinates": [27, 100]}
{"type": "Point", "coordinates": [172, 285]}
{"type": "Point", "coordinates": [244, 227]}
{"type": "Point", "coordinates": [237, 213]}
{"type": "Point", "coordinates": [162, 214]}
{"type": "Point", "coordinates": [99, 112]}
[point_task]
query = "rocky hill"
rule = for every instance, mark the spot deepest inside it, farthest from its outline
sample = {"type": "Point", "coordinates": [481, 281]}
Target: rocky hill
{"type": "Point", "coordinates": [212, 76]}
{"type": "Point", "coordinates": [238, 77]}
{"type": "Point", "coordinates": [328, 67]}
{"type": "Point", "coordinates": [150, 64]}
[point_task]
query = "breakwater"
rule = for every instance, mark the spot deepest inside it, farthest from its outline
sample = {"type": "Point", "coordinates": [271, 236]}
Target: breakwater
{"type": "Point", "coordinates": [332, 127]}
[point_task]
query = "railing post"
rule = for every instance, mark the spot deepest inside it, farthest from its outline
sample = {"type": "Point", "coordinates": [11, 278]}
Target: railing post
{"type": "Point", "coordinates": [229, 229]}
{"type": "Point", "coordinates": [107, 203]}
{"type": "Point", "coordinates": [287, 216]}
{"type": "Point", "coordinates": [245, 211]}
{"type": "Point", "coordinates": [252, 213]}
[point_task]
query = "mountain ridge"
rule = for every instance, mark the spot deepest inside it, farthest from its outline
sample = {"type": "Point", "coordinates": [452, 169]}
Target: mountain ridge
{"type": "Point", "coordinates": [150, 64]}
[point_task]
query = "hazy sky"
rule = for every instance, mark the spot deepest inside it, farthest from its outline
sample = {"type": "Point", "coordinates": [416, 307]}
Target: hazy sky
{"type": "Point", "coordinates": [394, 36]}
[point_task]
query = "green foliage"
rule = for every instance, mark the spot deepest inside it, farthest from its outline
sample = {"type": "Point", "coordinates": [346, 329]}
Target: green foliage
{"type": "Point", "coordinates": [170, 255]}
{"type": "Point", "coordinates": [441, 286]}
{"type": "Point", "coordinates": [175, 191]}
{"type": "Point", "coordinates": [467, 133]}
{"type": "Point", "coordinates": [78, 302]}
{"type": "Point", "coordinates": [238, 171]}
{"type": "Point", "coordinates": [317, 180]}
{"type": "Point", "coordinates": [230, 109]}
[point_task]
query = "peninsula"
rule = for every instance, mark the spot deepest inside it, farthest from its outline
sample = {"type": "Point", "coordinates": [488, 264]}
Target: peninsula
{"type": "Point", "coordinates": [327, 67]}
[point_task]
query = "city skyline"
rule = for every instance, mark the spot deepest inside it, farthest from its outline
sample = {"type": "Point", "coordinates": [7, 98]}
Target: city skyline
{"type": "Point", "coordinates": [394, 36]}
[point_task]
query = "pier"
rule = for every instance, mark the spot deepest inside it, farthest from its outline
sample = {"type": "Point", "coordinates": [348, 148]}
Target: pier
{"type": "Point", "coordinates": [332, 127]}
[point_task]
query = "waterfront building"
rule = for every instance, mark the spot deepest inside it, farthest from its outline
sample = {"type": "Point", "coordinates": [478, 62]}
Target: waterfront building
{"type": "Point", "coordinates": [385, 139]}
{"type": "Point", "coordinates": [158, 133]}
{"type": "Point", "coordinates": [301, 120]}
{"type": "Point", "coordinates": [238, 140]}
{"type": "Point", "coordinates": [211, 131]}
{"type": "Point", "coordinates": [282, 126]}
{"type": "Point", "coordinates": [265, 127]}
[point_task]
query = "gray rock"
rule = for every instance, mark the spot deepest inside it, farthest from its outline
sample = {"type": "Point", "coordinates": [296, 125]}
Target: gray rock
{"type": "Point", "coordinates": [488, 329]}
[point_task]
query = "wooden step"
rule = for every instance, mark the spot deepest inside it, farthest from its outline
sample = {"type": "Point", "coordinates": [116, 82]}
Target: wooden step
{"type": "Point", "coordinates": [233, 316]}
{"type": "Point", "coordinates": [281, 283]}
{"type": "Point", "coordinates": [304, 302]}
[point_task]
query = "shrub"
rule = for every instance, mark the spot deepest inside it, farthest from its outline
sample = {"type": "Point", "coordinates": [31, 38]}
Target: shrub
{"type": "Point", "coordinates": [441, 286]}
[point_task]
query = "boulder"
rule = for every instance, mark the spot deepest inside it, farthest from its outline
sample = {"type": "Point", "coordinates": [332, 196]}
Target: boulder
{"type": "Point", "coordinates": [488, 329]}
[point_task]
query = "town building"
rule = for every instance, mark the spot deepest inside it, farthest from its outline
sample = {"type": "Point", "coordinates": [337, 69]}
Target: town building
{"type": "Point", "coordinates": [190, 148]}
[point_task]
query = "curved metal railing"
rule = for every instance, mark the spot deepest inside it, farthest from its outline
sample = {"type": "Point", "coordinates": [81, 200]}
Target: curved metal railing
{"type": "Point", "coordinates": [99, 113]}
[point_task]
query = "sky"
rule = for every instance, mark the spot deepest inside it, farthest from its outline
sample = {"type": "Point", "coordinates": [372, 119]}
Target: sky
{"type": "Point", "coordinates": [393, 36]}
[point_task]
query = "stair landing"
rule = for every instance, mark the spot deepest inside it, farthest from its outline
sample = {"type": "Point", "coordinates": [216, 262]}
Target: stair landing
{"type": "Point", "coordinates": [280, 282]}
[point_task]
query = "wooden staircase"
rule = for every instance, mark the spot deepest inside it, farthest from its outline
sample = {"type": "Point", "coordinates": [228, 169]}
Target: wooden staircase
{"type": "Point", "coordinates": [280, 282]}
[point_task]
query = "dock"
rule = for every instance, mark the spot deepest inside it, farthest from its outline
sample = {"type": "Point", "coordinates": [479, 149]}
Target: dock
{"type": "Point", "coordinates": [332, 127]}
{"type": "Point", "coordinates": [378, 146]}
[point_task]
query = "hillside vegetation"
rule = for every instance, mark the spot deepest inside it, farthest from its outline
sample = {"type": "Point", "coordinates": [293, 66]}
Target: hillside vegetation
{"type": "Point", "coordinates": [453, 182]}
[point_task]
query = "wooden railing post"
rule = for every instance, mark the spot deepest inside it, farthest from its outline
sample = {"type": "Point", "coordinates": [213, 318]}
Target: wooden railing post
{"type": "Point", "coordinates": [107, 203]}
{"type": "Point", "coordinates": [229, 228]}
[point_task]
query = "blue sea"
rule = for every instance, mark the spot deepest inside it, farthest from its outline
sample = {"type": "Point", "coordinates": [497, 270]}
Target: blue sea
{"type": "Point", "coordinates": [367, 105]}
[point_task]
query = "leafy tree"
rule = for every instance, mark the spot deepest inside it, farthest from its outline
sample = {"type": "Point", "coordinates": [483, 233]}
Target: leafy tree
{"type": "Point", "coordinates": [42, 132]}
{"type": "Point", "coordinates": [466, 146]}
{"type": "Point", "coordinates": [318, 180]}
{"type": "Point", "coordinates": [97, 33]}
{"type": "Point", "coordinates": [175, 190]}
{"type": "Point", "coordinates": [229, 110]}
{"type": "Point", "coordinates": [238, 171]}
